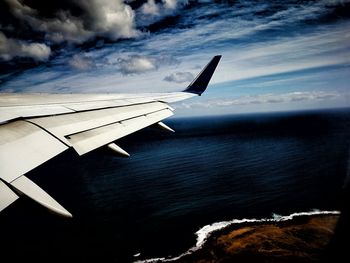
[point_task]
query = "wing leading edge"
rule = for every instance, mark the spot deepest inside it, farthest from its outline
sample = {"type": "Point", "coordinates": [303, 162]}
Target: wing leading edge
{"type": "Point", "coordinates": [36, 127]}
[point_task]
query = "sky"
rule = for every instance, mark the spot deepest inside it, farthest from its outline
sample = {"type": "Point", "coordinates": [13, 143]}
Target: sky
{"type": "Point", "coordinates": [276, 55]}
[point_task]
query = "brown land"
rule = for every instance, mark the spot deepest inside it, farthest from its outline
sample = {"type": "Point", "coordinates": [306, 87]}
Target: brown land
{"type": "Point", "coordinates": [303, 239]}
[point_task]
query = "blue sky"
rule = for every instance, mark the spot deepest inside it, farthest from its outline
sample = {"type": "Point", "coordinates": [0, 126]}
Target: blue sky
{"type": "Point", "coordinates": [276, 56]}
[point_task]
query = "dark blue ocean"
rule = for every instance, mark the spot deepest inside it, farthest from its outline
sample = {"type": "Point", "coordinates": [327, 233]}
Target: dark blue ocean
{"type": "Point", "coordinates": [212, 169]}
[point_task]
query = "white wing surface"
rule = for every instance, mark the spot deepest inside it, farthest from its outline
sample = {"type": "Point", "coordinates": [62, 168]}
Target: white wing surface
{"type": "Point", "coordinates": [36, 127]}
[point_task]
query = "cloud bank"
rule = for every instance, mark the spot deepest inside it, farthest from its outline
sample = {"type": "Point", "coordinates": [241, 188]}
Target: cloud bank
{"type": "Point", "coordinates": [268, 98]}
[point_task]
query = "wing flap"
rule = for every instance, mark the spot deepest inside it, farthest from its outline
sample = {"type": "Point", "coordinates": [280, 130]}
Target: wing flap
{"type": "Point", "coordinates": [10, 111]}
{"type": "Point", "coordinates": [67, 124]}
{"type": "Point", "coordinates": [89, 140]}
{"type": "Point", "coordinates": [93, 105]}
{"type": "Point", "coordinates": [24, 146]}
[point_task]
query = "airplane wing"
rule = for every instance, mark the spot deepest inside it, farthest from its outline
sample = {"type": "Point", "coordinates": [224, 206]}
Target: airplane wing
{"type": "Point", "coordinates": [36, 127]}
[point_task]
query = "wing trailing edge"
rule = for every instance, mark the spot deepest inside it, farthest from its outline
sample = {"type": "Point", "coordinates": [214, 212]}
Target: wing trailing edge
{"type": "Point", "coordinates": [200, 83]}
{"type": "Point", "coordinates": [7, 196]}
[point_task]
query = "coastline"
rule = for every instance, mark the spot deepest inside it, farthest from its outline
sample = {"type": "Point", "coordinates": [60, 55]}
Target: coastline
{"type": "Point", "coordinates": [299, 237]}
{"type": "Point", "coordinates": [303, 239]}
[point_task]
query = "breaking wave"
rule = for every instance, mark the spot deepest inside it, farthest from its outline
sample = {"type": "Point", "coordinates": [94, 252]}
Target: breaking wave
{"type": "Point", "coordinates": [205, 232]}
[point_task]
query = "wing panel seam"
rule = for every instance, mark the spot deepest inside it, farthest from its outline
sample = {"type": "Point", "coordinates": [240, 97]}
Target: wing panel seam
{"type": "Point", "coordinates": [47, 131]}
{"type": "Point", "coordinates": [121, 122]}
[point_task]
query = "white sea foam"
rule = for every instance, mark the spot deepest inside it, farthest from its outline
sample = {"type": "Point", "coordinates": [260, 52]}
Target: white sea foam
{"type": "Point", "coordinates": [208, 230]}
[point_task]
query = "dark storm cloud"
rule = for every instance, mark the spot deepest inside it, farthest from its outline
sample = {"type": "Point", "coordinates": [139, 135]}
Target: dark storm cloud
{"type": "Point", "coordinates": [78, 21]}
{"type": "Point", "coordinates": [37, 30]}
{"type": "Point", "coordinates": [111, 19]}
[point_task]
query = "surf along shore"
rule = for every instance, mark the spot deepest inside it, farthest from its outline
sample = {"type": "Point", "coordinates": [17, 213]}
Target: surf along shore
{"type": "Point", "coordinates": [303, 239]}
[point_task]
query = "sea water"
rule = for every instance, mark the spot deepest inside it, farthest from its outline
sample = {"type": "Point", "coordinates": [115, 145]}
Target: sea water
{"type": "Point", "coordinates": [211, 170]}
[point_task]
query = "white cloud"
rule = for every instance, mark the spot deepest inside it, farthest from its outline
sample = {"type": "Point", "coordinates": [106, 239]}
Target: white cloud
{"type": "Point", "coordinates": [136, 64]}
{"type": "Point", "coordinates": [11, 48]}
{"type": "Point", "coordinates": [113, 19]}
{"type": "Point", "coordinates": [151, 11]}
{"type": "Point", "coordinates": [81, 62]}
{"type": "Point", "coordinates": [179, 77]}
{"type": "Point", "coordinates": [150, 8]}
{"type": "Point", "coordinates": [131, 63]}
{"type": "Point", "coordinates": [171, 4]}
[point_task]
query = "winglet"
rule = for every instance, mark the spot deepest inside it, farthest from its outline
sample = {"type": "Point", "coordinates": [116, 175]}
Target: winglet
{"type": "Point", "coordinates": [200, 83]}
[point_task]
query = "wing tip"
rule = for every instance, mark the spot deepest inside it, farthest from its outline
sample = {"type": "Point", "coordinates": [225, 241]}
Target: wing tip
{"type": "Point", "coordinates": [200, 83]}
